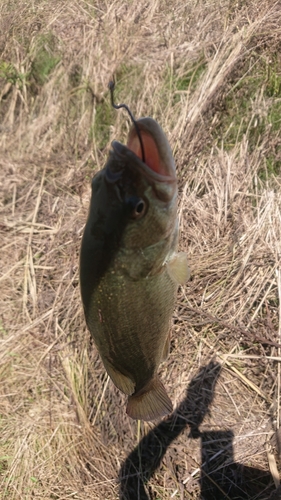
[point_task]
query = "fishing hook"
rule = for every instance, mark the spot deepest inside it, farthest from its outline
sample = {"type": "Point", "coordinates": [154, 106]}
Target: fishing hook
{"type": "Point", "coordinates": [111, 87]}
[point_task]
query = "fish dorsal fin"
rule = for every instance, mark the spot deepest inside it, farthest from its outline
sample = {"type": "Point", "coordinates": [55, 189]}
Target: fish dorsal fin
{"type": "Point", "coordinates": [178, 268]}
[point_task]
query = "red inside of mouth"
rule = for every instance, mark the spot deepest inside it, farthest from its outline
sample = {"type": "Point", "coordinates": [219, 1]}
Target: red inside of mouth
{"type": "Point", "coordinates": [151, 153]}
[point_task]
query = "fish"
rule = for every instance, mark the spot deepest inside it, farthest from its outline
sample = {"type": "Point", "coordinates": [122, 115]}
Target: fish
{"type": "Point", "coordinates": [130, 267]}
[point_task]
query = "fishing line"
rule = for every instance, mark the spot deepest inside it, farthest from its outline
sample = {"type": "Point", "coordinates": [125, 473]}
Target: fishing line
{"type": "Point", "coordinates": [111, 87]}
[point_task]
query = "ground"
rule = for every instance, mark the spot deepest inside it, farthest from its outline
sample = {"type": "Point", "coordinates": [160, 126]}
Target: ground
{"type": "Point", "coordinates": [209, 73]}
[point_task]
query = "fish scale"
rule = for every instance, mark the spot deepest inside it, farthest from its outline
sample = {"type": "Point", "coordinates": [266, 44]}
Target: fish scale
{"type": "Point", "coordinates": [130, 268]}
{"type": "Point", "coordinates": [144, 339]}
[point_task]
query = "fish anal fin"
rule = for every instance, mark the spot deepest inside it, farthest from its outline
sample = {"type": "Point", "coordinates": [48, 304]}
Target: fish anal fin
{"type": "Point", "coordinates": [178, 268]}
{"type": "Point", "coordinates": [124, 383]}
{"type": "Point", "coordinates": [166, 350]}
{"type": "Point", "coordinates": [150, 403]}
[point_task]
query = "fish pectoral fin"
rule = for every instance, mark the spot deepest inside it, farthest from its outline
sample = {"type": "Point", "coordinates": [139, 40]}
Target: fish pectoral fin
{"type": "Point", "coordinates": [150, 403]}
{"type": "Point", "coordinates": [124, 383]}
{"type": "Point", "coordinates": [178, 268]}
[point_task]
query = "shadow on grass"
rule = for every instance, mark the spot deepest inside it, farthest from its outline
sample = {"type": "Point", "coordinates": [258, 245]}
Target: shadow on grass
{"type": "Point", "coordinates": [221, 478]}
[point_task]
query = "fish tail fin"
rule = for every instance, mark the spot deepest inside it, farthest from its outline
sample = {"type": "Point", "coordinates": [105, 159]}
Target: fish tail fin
{"type": "Point", "coordinates": [150, 403]}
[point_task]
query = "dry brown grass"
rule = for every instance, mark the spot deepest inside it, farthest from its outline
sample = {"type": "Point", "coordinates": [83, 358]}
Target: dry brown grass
{"type": "Point", "coordinates": [63, 428]}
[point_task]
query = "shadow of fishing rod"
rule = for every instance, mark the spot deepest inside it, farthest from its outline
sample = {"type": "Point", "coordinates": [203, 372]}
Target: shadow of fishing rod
{"type": "Point", "coordinates": [221, 478]}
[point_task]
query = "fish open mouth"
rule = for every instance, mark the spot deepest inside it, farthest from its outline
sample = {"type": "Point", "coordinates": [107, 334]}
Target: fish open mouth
{"type": "Point", "coordinates": [159, 165]}
{"type": "Point", "coordinates": [152, 157]}
{"type": "Point", "coordinates": [157, 151]}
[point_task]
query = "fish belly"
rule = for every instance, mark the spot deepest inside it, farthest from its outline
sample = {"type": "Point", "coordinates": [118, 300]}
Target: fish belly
{"type": "Point", "coordinates": [130, 323]}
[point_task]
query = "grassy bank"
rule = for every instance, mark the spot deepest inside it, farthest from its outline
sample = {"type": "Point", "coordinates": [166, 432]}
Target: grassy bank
{"type": "Point", "coordinates": [209, 72]}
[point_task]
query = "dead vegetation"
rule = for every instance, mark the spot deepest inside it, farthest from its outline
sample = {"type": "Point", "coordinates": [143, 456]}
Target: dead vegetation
{"type": "Point", "coordinates": [209, 72]}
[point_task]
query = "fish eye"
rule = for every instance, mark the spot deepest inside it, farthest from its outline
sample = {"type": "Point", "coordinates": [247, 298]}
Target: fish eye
{"type": "Point", "coordinates": [137, 207]}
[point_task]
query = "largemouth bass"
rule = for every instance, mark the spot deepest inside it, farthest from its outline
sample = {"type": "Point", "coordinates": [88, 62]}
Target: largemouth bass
{"type": "Point", "coordinates": [129, 268]}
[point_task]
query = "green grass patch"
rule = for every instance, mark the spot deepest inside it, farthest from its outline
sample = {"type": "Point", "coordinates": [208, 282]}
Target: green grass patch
{"type": "Point", "coordinates": [9, 73]}
{"type": "Point", "coordinates": [128, 87]}
{"type": "Point", "coordinates": [45, 59]}
{"type": "Point", "coordinates": [189, 79]}
{"type": "Point", "coordinates": [252, 108]}
{"type": "Point", "coordinates": [181, 80]}
{"type": "Point", "coordinates": [104, 118]}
